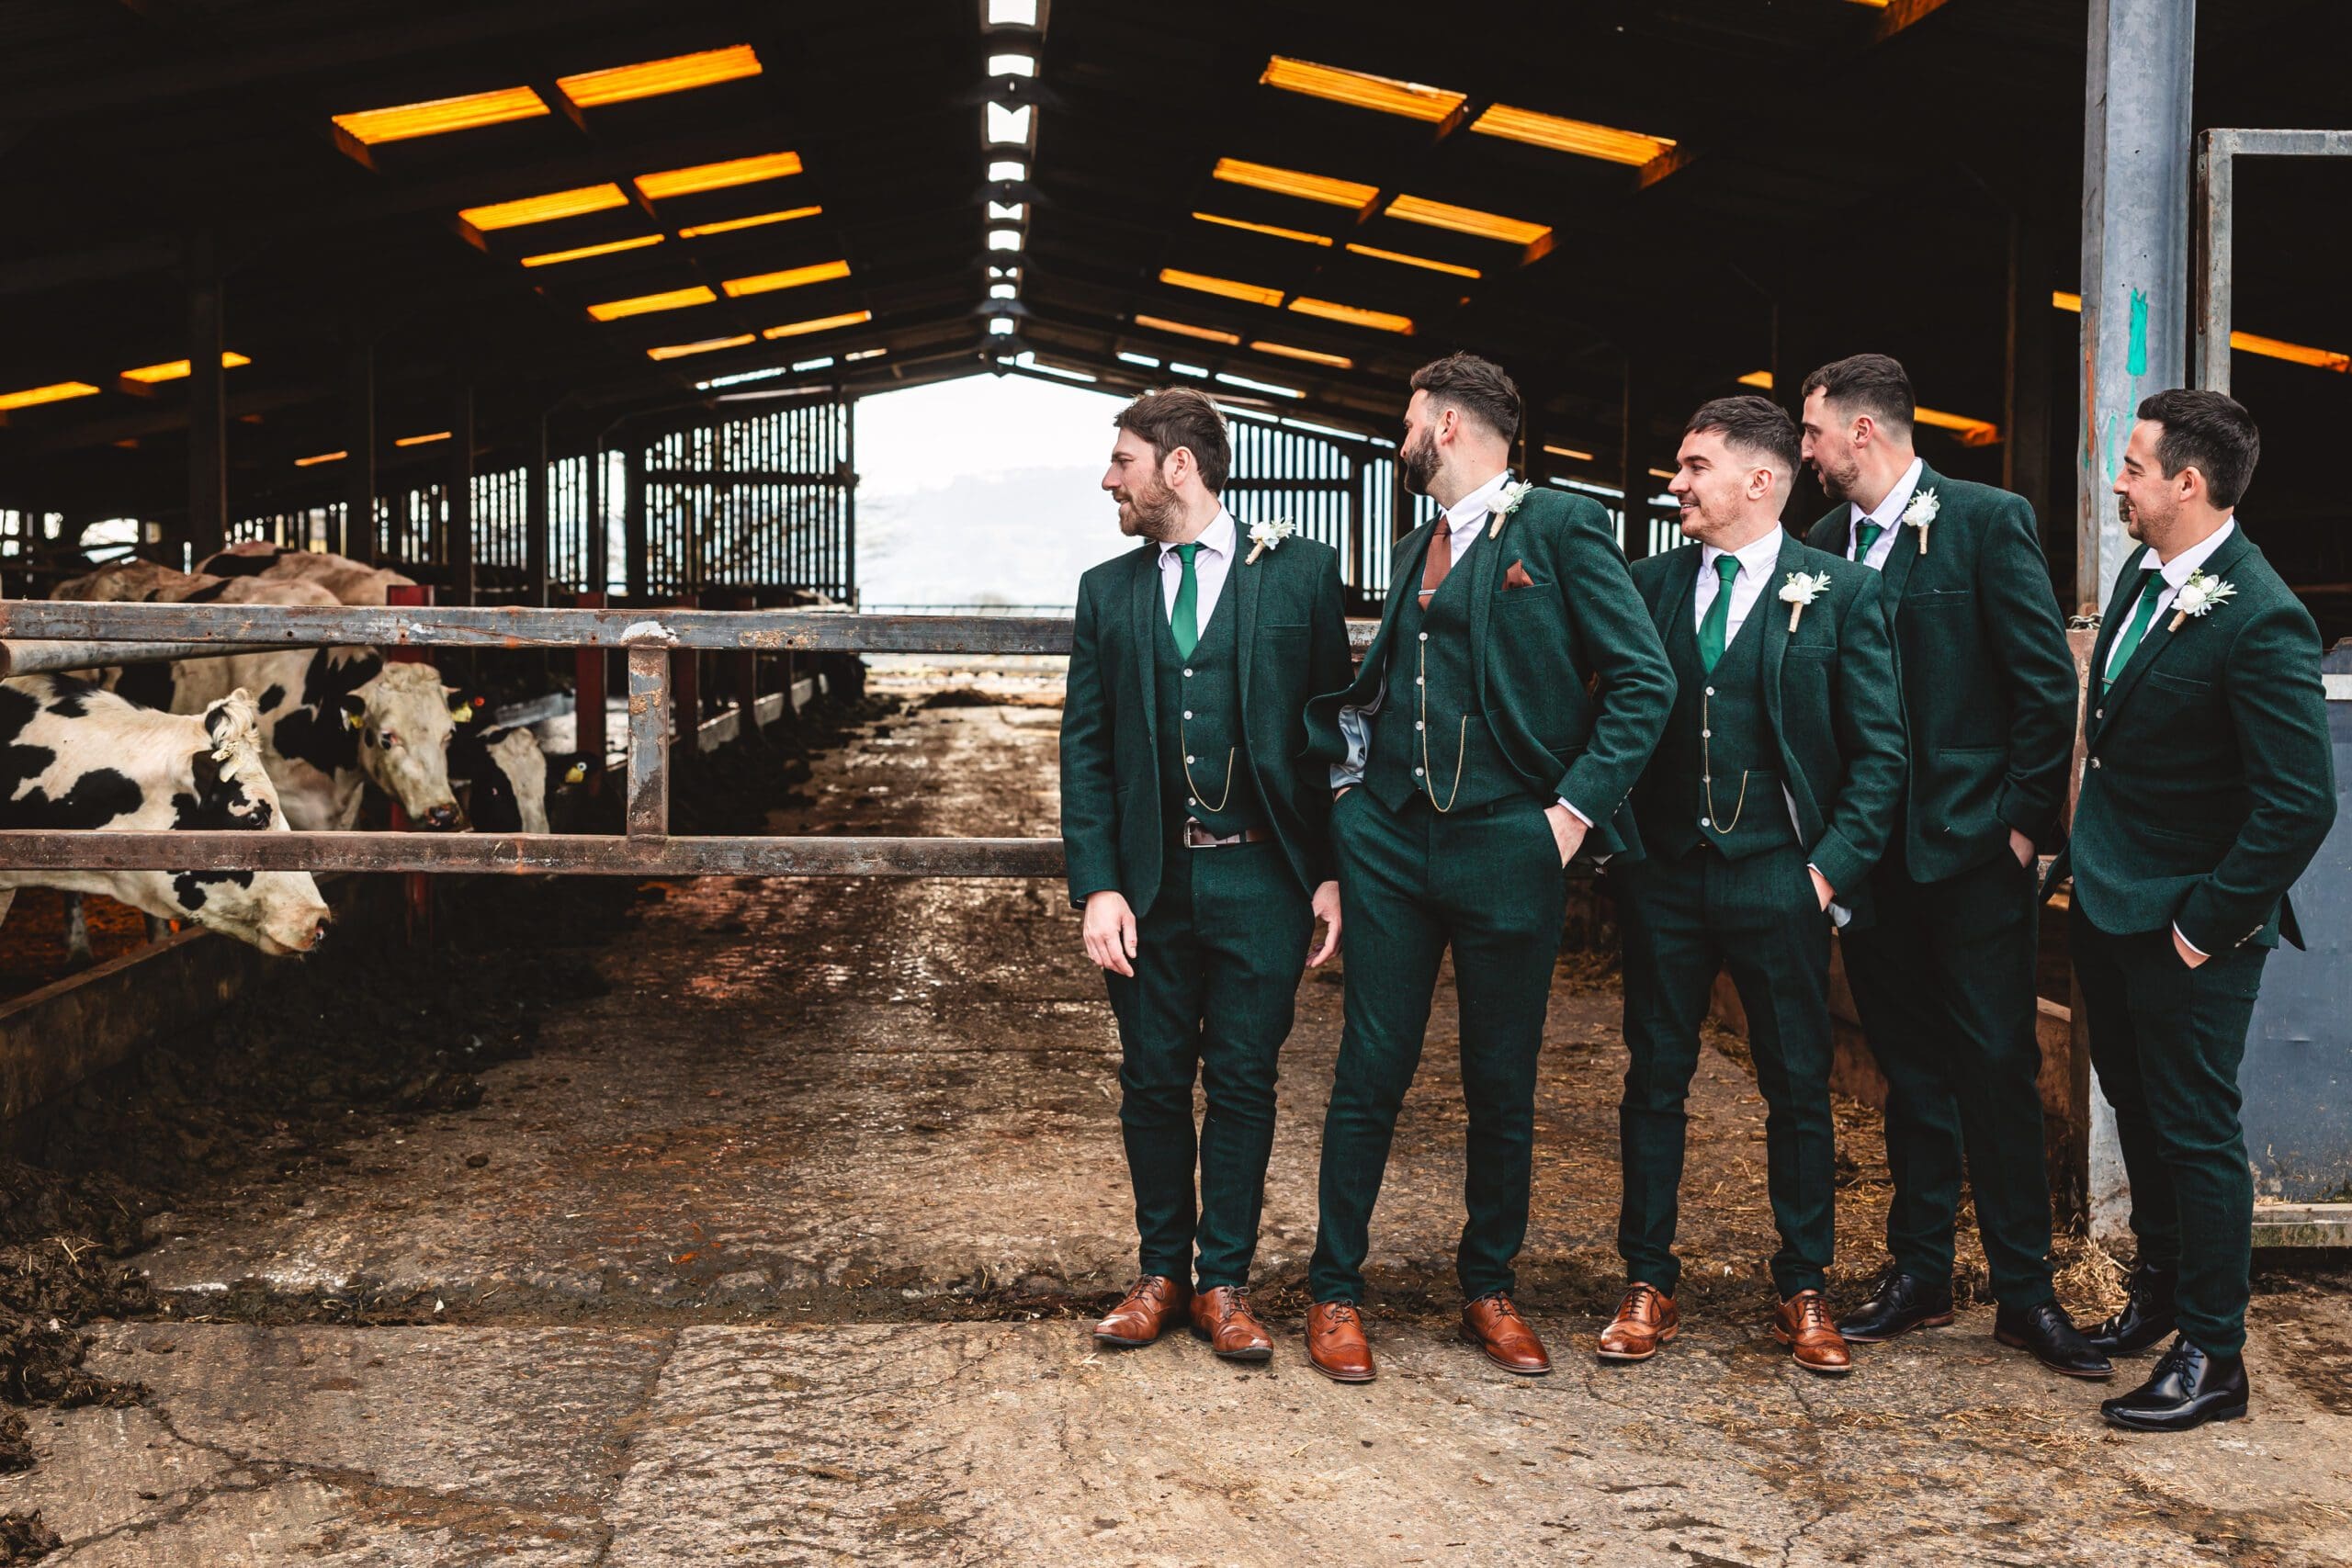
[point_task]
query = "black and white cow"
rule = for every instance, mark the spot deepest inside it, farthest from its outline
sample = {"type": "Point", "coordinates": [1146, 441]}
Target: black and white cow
{"type": "Point", "coordinates": [75, 755]}
{"type": "Point", "coordinates": [512, 785]}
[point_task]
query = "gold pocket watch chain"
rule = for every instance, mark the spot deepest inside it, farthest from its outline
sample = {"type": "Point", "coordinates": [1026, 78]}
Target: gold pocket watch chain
{"type": "Point", "coordinates": [1707, 771]}
{"type": "Point", "coordinates": [1194, 785]}
{"type": "Point", "coordinates": [1462, 742]}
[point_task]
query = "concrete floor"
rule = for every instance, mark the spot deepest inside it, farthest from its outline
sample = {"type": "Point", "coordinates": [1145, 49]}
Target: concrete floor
{"type": "Point", "coordinates": [775, 1254]}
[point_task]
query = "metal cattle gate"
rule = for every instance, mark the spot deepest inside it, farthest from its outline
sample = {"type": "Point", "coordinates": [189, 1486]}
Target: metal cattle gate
{"type": "Point", "coordinates": [648, 637]}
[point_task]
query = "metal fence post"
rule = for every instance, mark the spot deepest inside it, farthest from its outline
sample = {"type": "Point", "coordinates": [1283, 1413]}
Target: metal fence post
{"type": "Point", "coordinates": [649, 740]}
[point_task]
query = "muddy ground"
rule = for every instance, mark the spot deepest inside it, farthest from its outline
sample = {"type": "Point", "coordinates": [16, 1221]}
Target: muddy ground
{"type": "Point", "coordinates": [744, 1222]}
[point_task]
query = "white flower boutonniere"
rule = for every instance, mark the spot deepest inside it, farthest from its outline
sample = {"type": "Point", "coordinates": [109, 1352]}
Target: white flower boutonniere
{"type": "Point", "coordinates": [1920, 513]}
{"type": "Point", "coordinates": [2198, 596]}
{"type": "Point", "coordinates": [1264, 536]}
{"type": "Point", "coordinates": [1508, 500]}
{"type": "Point", "coordinates": [1802, 589]}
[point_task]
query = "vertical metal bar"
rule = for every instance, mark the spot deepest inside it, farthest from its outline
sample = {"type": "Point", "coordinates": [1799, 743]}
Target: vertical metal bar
{"type": "Point", "coordinates": [598, 540]}
{"type": "Point", "coordinates": [2208, 308]}
{"type": "Point", "coordinates": [649, 740]}
{"type": "Point", "coordinates": [633, 535]}
{"type": "Point", "coordinates": [359, 440]}
{"type": "Point", "coordinates": [459, 480]}
{"type": "Point", "coordinates": [208, 402]}
{"type": "Point", "coordinates": [849, 500]}
{"type": "Point", "coordinates": [2136, 159]}
{"type": "Point", "coordinates": [685, 678]}
{"type": "Point", "coordinates": [535, 512]}
{"type": "Point", "coordinates": [588, 696]}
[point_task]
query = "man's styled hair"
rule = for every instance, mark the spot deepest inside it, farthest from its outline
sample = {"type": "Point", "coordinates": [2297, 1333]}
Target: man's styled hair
{"type": "Point", "coordinates": [1753, 425]}
{"type": "Point", "coordinates": [2210, 432]}
{"type": "Point", "coordinates": [1479, 388]}
{"type": "Point", "coordinates": [1170, 417]}
{"type": "Point", "coordinates": [1874, 384]}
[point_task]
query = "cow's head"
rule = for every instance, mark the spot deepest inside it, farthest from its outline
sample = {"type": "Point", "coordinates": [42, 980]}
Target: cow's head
{"type": "Point", "coordinates": [402, 716]}
{"type": "Point", "coordinates": [225, 788]}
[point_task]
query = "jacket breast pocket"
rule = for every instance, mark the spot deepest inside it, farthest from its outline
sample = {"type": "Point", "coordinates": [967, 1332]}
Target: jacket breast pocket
{"type": "Point", "coordinates": [1811, 650]}
{"type": "Point", "coordinates": [2186, 685]}
{"type": "Point", "coordinates": [1939, 599]}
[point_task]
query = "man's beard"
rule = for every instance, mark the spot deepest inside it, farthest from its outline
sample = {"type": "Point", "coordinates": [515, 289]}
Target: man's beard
{"type": "Point", "coordinates": [1419, 460]}
{"type": "Point", "coordinates": [1835, 485]}
{"type": "Point", "coordinates": [1149, 511]}
{"type": "Point", "coordinates": [2133, 521]}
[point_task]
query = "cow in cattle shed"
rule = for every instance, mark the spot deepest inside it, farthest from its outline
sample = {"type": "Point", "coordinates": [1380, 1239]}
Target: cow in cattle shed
{"type": "Point", "coordinates": [75, 755]}
{"type": "Point", "coordinates": [347, 579]}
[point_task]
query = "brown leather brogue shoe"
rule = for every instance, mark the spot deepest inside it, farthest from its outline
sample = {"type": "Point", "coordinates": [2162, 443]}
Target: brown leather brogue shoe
{"type": "Point", "coordinates": [1151, 1303]}
{"type": "Point", "coordinates": [1645, 1319]}
{"type": "Point", "coordinates": [1335, 1343]}
{"type": "Point", "coordinates": [1222, 1316]}
{"type": "Point", "coordinates": [1802, 1323]}
{"type": "Point", "coordinates": [1492, 1323]}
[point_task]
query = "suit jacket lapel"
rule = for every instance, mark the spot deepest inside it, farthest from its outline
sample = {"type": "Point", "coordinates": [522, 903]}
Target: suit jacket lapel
{"type": "Point", "coordinates": [1905, 552]}
{"type": "Point", "coordinates": [1405, 562]}
{"type": "Point", "coordinates": [1776, 628]}
{"type": "Point", "coordinates": [1147, 611]}
{"type": "Point", "coordinates": [1485, 554]}
{"type": "Point", "coordinates": [2158, 637]}
{"type": "Point", "coordinates": [1242, 581]}
{"type": "Point", "coordinates": [1675, 602]}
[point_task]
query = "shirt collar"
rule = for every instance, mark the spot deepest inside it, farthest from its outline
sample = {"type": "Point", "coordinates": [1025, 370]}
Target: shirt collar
{"type": "Point", "coordinates": [1755, 558]}
{"type": "Point", "coordinates": [2176, 570]}
{"type": "Point", "coordinates": [1889, 511]}
{"type": "Point", "coordinates": [1216, 538]}
{"type": "Point", "coordinates": [1478, 503]}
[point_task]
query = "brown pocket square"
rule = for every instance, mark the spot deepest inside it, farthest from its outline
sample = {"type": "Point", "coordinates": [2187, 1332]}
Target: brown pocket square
{"type": "Point", "coordinates": [1517, 577]}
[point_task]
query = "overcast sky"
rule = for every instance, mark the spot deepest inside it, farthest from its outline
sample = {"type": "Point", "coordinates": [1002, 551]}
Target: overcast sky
{"type": "Point", "coordinates": [983, 490]}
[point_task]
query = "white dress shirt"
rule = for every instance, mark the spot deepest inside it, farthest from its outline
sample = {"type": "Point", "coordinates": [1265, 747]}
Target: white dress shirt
{"type": "Point", "coordinates": [1211, 562]}
{"type": "Point", "coordinates": [1887, 514]}
{"type": "Point", "coordinates": [2172, 576]}
{"type": "Point", "coordinates": [1756, 562]}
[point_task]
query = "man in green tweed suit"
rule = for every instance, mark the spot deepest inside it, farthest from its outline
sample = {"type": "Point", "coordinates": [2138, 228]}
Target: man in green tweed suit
{"type": "Point", "coordinates": [2208, 788]}
{"type": "Point", "coordinates": [1502, 713]}
{"type": "Point", "coordinates": [1944, 979]}
{"type": "Point", "coordinates": [1760, 813]}
{"type": "Point", "coordinates": [1197, 846]}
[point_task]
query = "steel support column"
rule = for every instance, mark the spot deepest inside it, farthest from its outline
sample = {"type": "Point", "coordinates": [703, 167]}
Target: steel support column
{"type": "Point", "coordinates": [457, 497]}
{"type": "Point", "coordinates": [2136, 159]}
{"type": "Point", "coordinates": [208, 402]}
{"type": "Point", "coordinates": [360, 442]}
{"type": "Point", "coordinates": [535, 510]}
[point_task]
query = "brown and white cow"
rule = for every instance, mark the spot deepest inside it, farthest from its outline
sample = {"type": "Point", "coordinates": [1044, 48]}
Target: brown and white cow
{"type": "Point", "coordinates": [347, 579]}
{"type": "Point", "coordinates": [75, 755]}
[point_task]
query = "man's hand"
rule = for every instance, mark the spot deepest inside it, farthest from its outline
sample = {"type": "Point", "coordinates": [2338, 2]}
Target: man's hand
{"type": "Point", "coordinates": [1567, 831]}
{"type": "Point", "coordinates": [2188, 954]}
{"type": "Point", "coordinates": [2021, 847]}
{"type": "Point", "coordinates": [1821, 888]}
{"type": "Point", "coordinates": [1109, 928]}
{"type": "Point", "coordinates": [1327, 909]}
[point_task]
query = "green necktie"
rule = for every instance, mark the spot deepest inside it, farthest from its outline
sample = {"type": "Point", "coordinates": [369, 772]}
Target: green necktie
{"type": "Point", "coordinates": [1718, 621]}
{"type": "Point", "coordinates": [1184, 625]}
{"type": "Point", "coordinates": [1867, 532]}
{"type": "Point", "coordinates": [2136, 630]}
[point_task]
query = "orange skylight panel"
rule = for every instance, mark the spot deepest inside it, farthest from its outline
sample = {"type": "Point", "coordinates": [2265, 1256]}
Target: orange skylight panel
{"type": "Point", "coordinates": [172, 370]}
{"type": "Point", "coordinates": [437, 116]}
{"type": "Point", "coordinates": [1425, 263]}
{"type": "Point", "coordinates": [1300, 235]}
{"type": "Point", "coordinates": [1292, 182]}
{"type": "Point", "coordinates": [1353, 315]}
{"type": "Point", "coordinates": [1360, 89]}
{"type": "Point", "coordinates": [544, 209]}
{"type": "Point", "coordinates": [708, 345]}
{"type": "Point", "coordinates": [1183, 329]}
{"type": "Point", "coordinates": [1580, 137]}
{"type": "Point", "coordinates": [313, 461]}
{"type": "Point", "coordinates": [644, 304]}
{"type": "Point", "coordinates": [619, 84]}
{"type": "Point", "coordinates": [581, 253]}
{"type": "Point", "coordinates": [1312, 356]}
{"type": "Point", "coordinates": [821, 324]}
{"type": "Point", "coordinates": [718, 175]}
{"type": "Point", "coordinates": [1466, 220]}
{"type": "Point", "coordinates": [757, 220]}
{"type": "Point", "coordinates": [56, 392]}
{"type": "Point", "coordinates": [1254, 293]}
{"type": "Point", "coordinates": [789, 277]}
{"type": "Point", "coordinates": [429, 436]}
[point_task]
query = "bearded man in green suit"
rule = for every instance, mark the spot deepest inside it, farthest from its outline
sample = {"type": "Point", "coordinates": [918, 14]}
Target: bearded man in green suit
{"type": "Point", "coordinates": [1197, 846]}
{"type": "Point", "coordinates": [1514, 692]}
{"type": "Point", "coordinates": [2209, 788]}
{"type": "Point", "coordinates": [1760, 813]}
{"type": "Point", "coordinates": [1944, 979]}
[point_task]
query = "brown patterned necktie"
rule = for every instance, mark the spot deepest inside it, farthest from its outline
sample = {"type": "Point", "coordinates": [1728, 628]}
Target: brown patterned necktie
{"type": "Point", "coordinates": [1441, 559]}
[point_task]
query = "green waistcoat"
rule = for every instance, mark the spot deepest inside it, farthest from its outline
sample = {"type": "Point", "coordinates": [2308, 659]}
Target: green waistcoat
{"type": "Point", "coordinates": [1200, 728]}
{"type": "Point", "coordinates": [1434, 644]}
{"type": "Point", "coordinates": [1717, 741]}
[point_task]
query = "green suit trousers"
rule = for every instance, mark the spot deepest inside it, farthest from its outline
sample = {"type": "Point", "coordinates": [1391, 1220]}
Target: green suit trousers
{"type": "Point", "coordinates": [1218, 962]}
{"type": "Point", "coordinates": [1489, 884]}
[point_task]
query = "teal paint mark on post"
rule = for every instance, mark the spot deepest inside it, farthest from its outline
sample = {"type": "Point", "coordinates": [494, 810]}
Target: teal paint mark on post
{"type": "Point", "coordinates": [2136, 363]}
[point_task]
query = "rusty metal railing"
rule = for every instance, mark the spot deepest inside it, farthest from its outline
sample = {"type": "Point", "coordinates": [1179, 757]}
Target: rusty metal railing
{"type": "Point", "coordinates": [30, 629]}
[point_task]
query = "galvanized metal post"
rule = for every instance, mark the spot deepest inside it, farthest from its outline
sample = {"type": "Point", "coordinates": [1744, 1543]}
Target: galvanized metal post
{"type": "Point", "coordinates": [359, 444]}
{"type": "Point", "coordinates": [535, 510]}
{"type": "Point", "coordinates": [649, 740]}
{"type": "Point", "coordinates": [2135, 252]}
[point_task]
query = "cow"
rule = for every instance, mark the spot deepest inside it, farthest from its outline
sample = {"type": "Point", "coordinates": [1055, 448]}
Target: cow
{"type": "Point", "coordinates": [75, 755]}
{"type": "Point", "coordinates": [347, 579]}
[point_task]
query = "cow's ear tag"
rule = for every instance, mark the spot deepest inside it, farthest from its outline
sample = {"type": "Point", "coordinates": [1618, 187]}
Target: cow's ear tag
{"type": "Point", "coordinates": [575, 774]}
{"type": "Point", "coordinates": [462, 713]}
{"type": "Point", "coordinates": [351, 720]}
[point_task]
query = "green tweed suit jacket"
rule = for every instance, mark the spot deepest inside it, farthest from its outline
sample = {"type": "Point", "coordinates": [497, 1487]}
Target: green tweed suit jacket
{"type": "Point", "coordinates": [1568, 668]}
{"type": "Point", "coordinates": [1829, 703]}
{"type": "Point", "coordinates": [2209, 783]}
{"type": "Point", "coordinates": [1987, 684]}
{"type": "Point", "coordinates": [1292, 638]}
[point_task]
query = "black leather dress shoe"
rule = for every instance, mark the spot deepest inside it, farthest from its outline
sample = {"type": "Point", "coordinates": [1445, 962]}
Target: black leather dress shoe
{"type": "Point", "coordinates": [2052, 1336]}
{"type": "Point", "coordinates": [2187, 1389]}
{"type": "Point", "coordinates": [1900, 1303]}
{"type": "Point", "coordinates": [2146, 1318]}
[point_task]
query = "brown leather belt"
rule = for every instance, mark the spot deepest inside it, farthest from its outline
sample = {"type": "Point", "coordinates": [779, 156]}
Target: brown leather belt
{"type": "Point", "coordinates": [1199, 838]}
